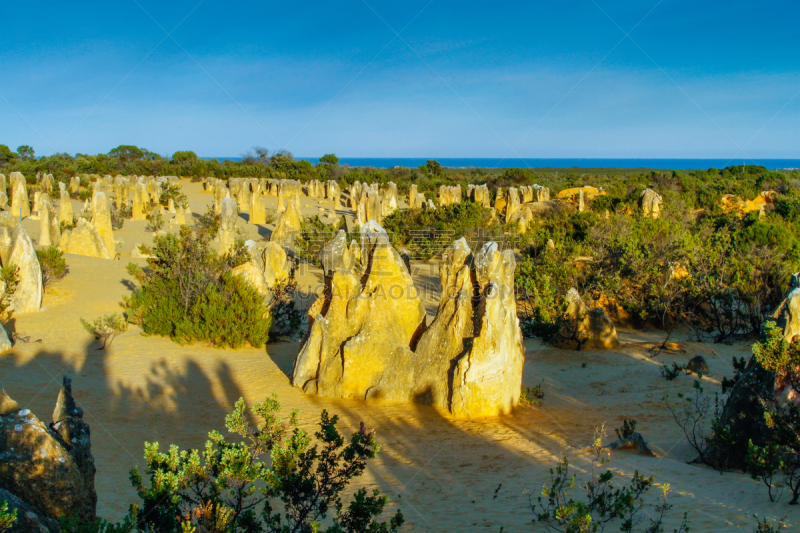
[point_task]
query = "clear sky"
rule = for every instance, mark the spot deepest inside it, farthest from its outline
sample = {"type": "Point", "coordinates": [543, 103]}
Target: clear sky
{"type": "Point", "coordinates": [411, 78]}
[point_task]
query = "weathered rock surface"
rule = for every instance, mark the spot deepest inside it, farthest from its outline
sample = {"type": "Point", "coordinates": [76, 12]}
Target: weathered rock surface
{"type": "Point", "coordinates": [20, 205]}
{"type": "Point", "coordinates": [487, 381]}
{"type": "Point", "coordinates": [29, 519]}
{"type": "Point", "coordinates": [227, 225]}
{"type": "Point", "coordinates": [17, 248]}
{"type": "Point", "coordinates": [49, 468]}
{"type": "Point", "coordinates": [697, 365]}
{"type": "Point", "coordinates": [650, 203]}
{"type": "Point", "coordinates": [368, 338]}
{"type": "Point", "coordinates": [287, 226]}
{"type": "Point", "coordinates": [49, 231]}
{"type": "Point", "coordinates": [588, 328]}
{"type": "Point", "coordinates": [101, 219]}
{"type": "Point", "coordinates": [65, 208]}
{"type": "Point", "coordinates": [276, 265]}
{"type": "Point", "coordinates": [141, 201]}
{"type": "Point", "coordinates": [84, 240]}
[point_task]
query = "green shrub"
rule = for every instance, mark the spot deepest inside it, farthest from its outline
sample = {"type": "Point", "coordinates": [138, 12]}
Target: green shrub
{"type": "Point", "coordinates": [172, 191]}
{"type": "Point", "coordinates": [54, 266]}
{"type": "Point", "coordinates": [9, 279]}
{"type": "Point", "coordinates": [106, 327]}
{"type": "Point", "coordinates": [229, 488]}
{"type": "Point", "coordinates": [605, 500]}
{"type": "Point", "coordinates": [531, 395]}
{"type": "Point", "coordinates": [118, 216]}
{"type": "Point", "coordinates": [189, 294]}
{"type": "Point", "coordinates": [671, 373]}
{"type": "Point", "coordinates": [209, 221]}
{"type": "Point", "coordinates": [85, 194]}
{"type": "Point", "coordinates": [64, 225]}
{"type": "Point", "coordinates": [155, 221]}
{"type": "Point", "coordinates": [428, 232]}
{"type": "Point", "coordinates": [628, 429]}
{"type": "Point", "coordinates": [7, 518]}
{"type": "Point", "coordinates": [313, 236]}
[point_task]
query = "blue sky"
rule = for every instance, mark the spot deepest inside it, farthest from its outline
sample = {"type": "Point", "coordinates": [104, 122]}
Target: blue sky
{"type": "Point", "coordinates": [711, 79]}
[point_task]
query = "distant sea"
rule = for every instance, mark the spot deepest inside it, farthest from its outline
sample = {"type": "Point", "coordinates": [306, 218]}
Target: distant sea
{"type": "Point", "coordinates": [666, 164]}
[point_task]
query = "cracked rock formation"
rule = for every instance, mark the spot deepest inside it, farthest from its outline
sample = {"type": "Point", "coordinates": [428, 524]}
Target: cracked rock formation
{"type": "Point", "coordinates": [368, 339]}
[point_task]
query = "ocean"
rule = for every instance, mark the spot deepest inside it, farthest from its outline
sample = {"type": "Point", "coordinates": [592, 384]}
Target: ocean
{"type": "Point", "coordinates": [656, 164]}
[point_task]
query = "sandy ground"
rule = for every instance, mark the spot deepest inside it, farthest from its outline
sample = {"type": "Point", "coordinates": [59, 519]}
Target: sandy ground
{"type": "Point", "coordinates": [445, 475]}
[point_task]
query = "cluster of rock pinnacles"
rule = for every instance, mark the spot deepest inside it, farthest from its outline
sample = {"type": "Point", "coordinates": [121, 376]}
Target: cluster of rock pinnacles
{"type": "Point", "coordinates": [369, 338]}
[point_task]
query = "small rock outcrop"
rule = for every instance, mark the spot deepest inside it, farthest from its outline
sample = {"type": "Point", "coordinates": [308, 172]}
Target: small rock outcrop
{"type": "Point", "coordinates": [84, 240]}
{"type": "Point", "coordinates": [17, 248]}
{"type": "Point", "coordinates": [587, 328]}
{"type": "Point", "coordinates": [20, 205]}
{"type": "Point", "coordinates": [698, 365]}
{"type": "Point", "coordinates": [229, 214]}
{"type": "Point", "coordinates": [650, 203]}
{"type": "Point", "coordinates": [101, 219]}
{"type": "Point", "coordinates": [49, 469]}
{"type": "Point", "coordinates": [276, 264]}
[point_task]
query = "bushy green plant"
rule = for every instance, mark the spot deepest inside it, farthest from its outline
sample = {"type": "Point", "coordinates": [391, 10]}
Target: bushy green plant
{"type": "Point", "coordinates": [106, 327]}
{"type": "Point", "coordinates": [172, 191]}
{"type": "Point", "coordinates": [7, 518]}
{"type": "Point", "coordinates": [313, 236]}
{"type": "Point", "coordinates": [73, 524]}
{"type": "Point", "coordinates": [627, 429]}
{"type": "Point", "coordinates": [605, 501]}
{"type": "Point", "coordinates": [155, 221]}
{"type": "Point", "coordinates": [229, 488]}
{"type": "Point", "coordinates": [209, 221]}
{"type": "Point", "coordinates": [67, 225]}
{"type": "Point", "coordinates": [54, 266]}
{"type": "Point", "coordinates": [189, 294]}
{"type": "Point", "coordinates": [84, 194]}
{"type": "Point", "coordinates": [671, 373]}
{"type": "Point", "coordinates": [118, 215]}
{"type": "Point", "coordinates": [531, 395]}
{"type": "Point", "coordinates": [782, 453]}
{"type": "Point", "coordinates": [9, 280]}
{"type": "Point", "coordinates": [428, 232]}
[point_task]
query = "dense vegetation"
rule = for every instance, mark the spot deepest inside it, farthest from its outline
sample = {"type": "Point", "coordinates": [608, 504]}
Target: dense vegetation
{"type": "Point", "coordinates": [188, 293]}
{"type": "Point", "coordinates": [272, 477]}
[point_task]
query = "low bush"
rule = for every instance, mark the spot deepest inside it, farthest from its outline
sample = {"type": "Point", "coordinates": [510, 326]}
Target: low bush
{"type": "Point", "coordinates": [106, 327]}
{"type": "Point", "coordinates": [671, 373]}
{"type": "Point", "coordinates": [188, 293]}
{"type": "Point", "coordinates": [531, 395]}
{"type": "Point", "coordinates": [54, 266]}
{"type": "Point", "coordinates": [9, 280]}
{"type": "Point", "coordinates": [228, 488]}
{"type": "Point", "coordinates": [172, 191]}
{"type": "Point", "coordinates": [780, 454]}
{"type": "Point", "coordinates": [209, 221]}
{"type": "Point", "coordinates": [605, 500]}
{"type": "Point", "coordinates": [627, 429]}
{"type": "Point", "coordinates": [7, 518]}
{"type": "Point", "coordinates": [313, 236]}
{"type": "Point", "coordinates": [428, 232]}
{"type": "Point", "coordinates": [118, 216]}
{"type": "Point", "coordinates": [155, 221]}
